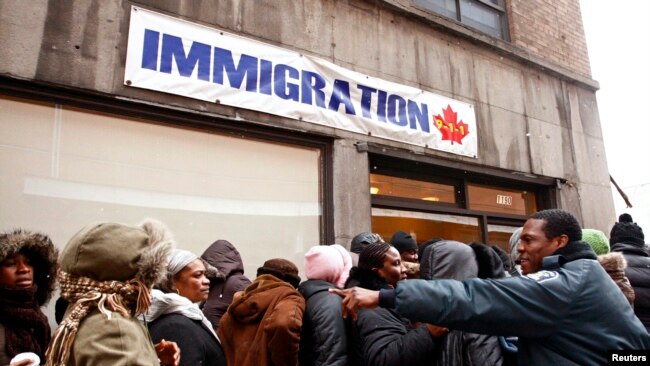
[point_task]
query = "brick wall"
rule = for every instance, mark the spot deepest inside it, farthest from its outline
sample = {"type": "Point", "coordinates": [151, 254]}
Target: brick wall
{"type": "Point", "coordinates": [551, 29]}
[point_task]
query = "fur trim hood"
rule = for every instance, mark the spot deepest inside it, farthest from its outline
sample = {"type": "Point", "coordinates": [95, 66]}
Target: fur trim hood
{"type": "Point", "coordinates": [41, 251]}
{"type": "Point", "coordinates": [110, 251]}
{"type": "Point", "coordinates": [152, 265]}
{"type": "Point", "coordinates": [613, 262]}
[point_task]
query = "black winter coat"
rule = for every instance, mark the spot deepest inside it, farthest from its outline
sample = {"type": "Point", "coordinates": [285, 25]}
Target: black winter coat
{"type": "Point", "coordinates": [198, 345]}
{"type": "Point", "coordinates": [450, 259]}
{"type": "Point", "coordinates": [638, 272]}
{"type": "Point", "coordinates": [381, 337]}
{"type": "Point", "coordinates": [323, 340]}
{"type": "Point", "coordinates": [470, 349]}
{"type": "Point", "coordinates": [225, 257]}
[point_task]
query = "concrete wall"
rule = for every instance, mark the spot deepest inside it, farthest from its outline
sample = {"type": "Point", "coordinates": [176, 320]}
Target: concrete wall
{"type": "Point", "coordinates": [532, 116]}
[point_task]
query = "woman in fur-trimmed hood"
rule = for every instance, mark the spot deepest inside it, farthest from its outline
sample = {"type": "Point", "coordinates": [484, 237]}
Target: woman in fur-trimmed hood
{"type": "Point", "coordinates": [107, 271]}
{"type": "Point", "coordinates": [27, 278]}
{"type": "Point", "coordinates": [615, 264]}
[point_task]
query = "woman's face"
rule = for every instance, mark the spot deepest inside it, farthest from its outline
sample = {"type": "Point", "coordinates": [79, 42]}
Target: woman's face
{"type": "Point", "coordinates": [393, 269]}
{"type": "Point", "coordinates": [16, 271]}
{"type": "Point", "coordinates": [192, 283]}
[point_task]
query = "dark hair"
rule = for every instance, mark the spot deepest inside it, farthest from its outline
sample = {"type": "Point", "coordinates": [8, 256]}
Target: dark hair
{"type": "Point", "coordinates": [559, 222]}
{"type": "Point", "coordinates": [373, 255]}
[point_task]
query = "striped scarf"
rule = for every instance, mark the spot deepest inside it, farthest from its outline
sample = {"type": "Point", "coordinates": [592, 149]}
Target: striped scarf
{"type": "Point", "coordinates": [129, 298]}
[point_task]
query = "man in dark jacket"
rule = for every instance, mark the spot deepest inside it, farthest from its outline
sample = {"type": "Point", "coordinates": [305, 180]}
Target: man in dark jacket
{"type": "Point", "coordinates": [225, 257]}
{"type": "Point", "coordinates": [565, 309]}
{"type": "Point", "coordinates": [627, 237]}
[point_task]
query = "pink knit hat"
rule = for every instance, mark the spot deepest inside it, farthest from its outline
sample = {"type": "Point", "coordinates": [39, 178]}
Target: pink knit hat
{"type": "Point", "coordinates": [331, 263]}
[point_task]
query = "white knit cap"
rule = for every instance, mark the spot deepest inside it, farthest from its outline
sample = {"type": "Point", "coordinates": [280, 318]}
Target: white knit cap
{"type": "Point", "coordinates": [178, 259]}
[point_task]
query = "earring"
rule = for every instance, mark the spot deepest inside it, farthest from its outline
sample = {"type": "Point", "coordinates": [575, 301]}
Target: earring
{"type": "Point", "coordinates": [178, 293]}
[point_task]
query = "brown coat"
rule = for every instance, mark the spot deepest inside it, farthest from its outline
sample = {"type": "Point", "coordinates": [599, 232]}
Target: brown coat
{"type": "Point", "coordinates": [262, 325]}
{"type": "Point", "coordinates": [614, 264]}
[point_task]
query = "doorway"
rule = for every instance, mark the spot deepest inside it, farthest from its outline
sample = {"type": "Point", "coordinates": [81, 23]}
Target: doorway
{"type": "Point", "coordinates": [429, 201]}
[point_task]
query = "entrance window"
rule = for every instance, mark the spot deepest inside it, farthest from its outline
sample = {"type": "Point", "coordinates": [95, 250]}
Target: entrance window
{"type": "Point", "coordinates": [424, 226]}
{"type": "Point", "coordinates": [408, 188]}
{"type": "Point", "coordinates": [469, 206]}
{"type": "Point", "coordinates": [64, 168]}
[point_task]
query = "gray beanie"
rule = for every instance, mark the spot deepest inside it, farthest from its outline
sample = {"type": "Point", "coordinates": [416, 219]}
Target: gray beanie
{"type": "Point", "coordinates": [514, 240]}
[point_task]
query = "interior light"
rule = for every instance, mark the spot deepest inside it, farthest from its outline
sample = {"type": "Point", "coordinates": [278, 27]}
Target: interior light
{"type": "Point", "coordinates": [374, 190]}
{"type": "Point", "coordinates": [432, 199]}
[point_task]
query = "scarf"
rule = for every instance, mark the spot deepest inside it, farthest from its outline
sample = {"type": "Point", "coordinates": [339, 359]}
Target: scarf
{"type": "Point", "coordinates": [85, 294]}
{"type": "Point", "coordinates": [26, 327]}
{"type": "Point", "coordinates": [171, 303]}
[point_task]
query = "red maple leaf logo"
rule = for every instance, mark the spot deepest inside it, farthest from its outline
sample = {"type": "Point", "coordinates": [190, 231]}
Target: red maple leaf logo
{"type": "Point", "coordinates": [450, 129]}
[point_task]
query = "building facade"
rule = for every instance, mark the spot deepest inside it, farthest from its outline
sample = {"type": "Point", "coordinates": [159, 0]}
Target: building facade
{"type": "Point", "coordinates": [279, 125]}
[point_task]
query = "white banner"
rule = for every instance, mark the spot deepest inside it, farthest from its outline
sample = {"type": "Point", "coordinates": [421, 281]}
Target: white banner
{"type": "Point", "coordinates": [178, 57]}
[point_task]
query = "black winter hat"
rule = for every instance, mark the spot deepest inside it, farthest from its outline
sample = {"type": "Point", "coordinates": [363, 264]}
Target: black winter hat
{"type": "Point", "coordinates": [489, 262]}
{"type": "Point", "coordinates": [626, 231]}
{"type": "Point", "coordinates": [403, 242]}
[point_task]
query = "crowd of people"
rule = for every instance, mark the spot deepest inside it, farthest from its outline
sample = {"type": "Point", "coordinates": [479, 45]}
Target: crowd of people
{"type": "Point", "coordinates": [130, 296]}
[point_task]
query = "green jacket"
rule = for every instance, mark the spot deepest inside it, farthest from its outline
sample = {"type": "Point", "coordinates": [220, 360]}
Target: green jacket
{"type": "Point", "coordinates": [119, 341]}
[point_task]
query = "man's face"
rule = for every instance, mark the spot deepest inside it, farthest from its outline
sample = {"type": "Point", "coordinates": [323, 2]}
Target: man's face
{"type": "Point", "coordinates": [534, 246]}
{"type": "Point", "coordinates": [410, 255]}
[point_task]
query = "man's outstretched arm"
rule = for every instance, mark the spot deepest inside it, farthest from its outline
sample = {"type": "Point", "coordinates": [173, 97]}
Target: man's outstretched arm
{"type": "Point", "coordinates": [356, 298]}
